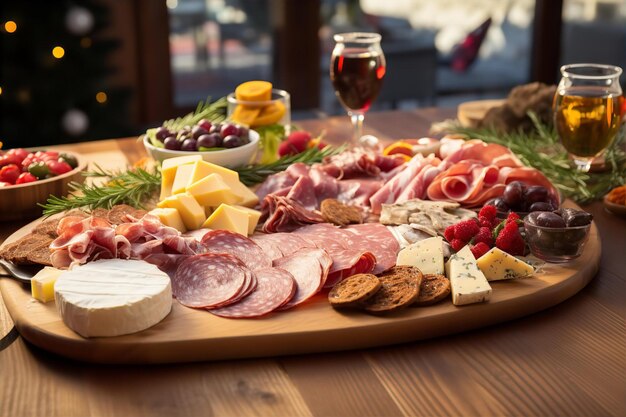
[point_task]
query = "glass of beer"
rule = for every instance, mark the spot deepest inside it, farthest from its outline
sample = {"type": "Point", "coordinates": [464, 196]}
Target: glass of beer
{"type": "Point", "coordinates": [587, 110]}
{"type": "Point", "coordinates": [357, 69]}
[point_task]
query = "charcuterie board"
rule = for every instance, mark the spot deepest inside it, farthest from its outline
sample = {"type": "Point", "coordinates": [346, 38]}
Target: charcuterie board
{"type": "Point", "coordinates": [191, 335]}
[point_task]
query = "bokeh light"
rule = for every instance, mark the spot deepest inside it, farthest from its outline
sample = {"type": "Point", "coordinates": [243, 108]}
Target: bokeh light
{"type": "Point", "coordinates": [58, 52]}
{"type": "Point", "coordinates": [10, 26]}
{"type": "Point", "coordinates": [101, 97]}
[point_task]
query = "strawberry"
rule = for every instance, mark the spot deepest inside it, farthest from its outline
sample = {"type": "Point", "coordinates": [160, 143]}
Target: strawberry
{"type": "Point", "coordinates": [457, 244]}
{"type": "Point", "coordinates": [510, 240]}
{"type": "Point", "coordinates": [512, 217]}
{"type": "Point", "coordinates": [449, 233]}
{"type": "Point", "coordinates": [299, 140]}
{"type": "Point", "coordinates": [488, 211]}
{"type": "Point", "coordinates": [484, 236]}
{"type": "Point", "coordinates": [466, 230]}
{"type": "Point", "coordinates": [479, 249]}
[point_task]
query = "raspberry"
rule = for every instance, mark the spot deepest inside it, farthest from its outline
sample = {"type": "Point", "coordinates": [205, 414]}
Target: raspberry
{"type": "Point", "coordinates": [484, 222]}
{"type": "Point", "coordinates": [466, 230]}
{"type": "Point", "coordinates": [488, 211]}
{"type": "Point", "coordinates": [510, 240]}
{"type": "Point", "coordinates": [512, 217]}
{"type": "Point", "coordinates": [484, 236]}
{"type": "Point", "coordinates": [449, 233]}
{"type": "Point", "coordinates": [479, 249]}
{"type": "Point", "coordinates": [457, 244]}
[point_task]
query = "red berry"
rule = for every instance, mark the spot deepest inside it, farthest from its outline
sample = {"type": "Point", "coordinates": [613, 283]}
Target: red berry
{"type": "Point", "coordinates": [479, 249]}
{"type": "Point", "coordinates": [488, 211]}
{"type": "Point", "coordinates": [466, 230]}
{"type": "Point", "coordinates": [484, 222]}
{"type": "Point", "coordinates": [449, 233]}
{"type": "Point", "coordinates": [484, 236]}
{"type": "Point", "coordinates": [10, 173]}
{"type": "Point", "coordinates": [299, 140]}
{"type": "Point", "coordinates": [286, 148]}
{"type": "Point", "coordinates": [25, 177]}
{"type": "Point", "coordinates": [510, 240]}
{"type": "Point", "coordinates": [457, 244]}
{"type": "Point", "coordinates": [512, 217]}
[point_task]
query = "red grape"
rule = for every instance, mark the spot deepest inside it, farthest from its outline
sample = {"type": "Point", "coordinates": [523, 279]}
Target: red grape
{"type": "Point", "coordinates": [232, 141]}
{"type": "Point", "coordinates": [171, 143]}
{"type": "Point", "coordinates": [162, 133]}
{"type": "Point", "coordinates": [189, 144]}
{"type": "Point", "coordinates": [209, 141]}
{"type": "Point", "coordinates": [205, 124]}
{"type": "Point", "coordinates": [228, 130]}
{"type": "Point", "coordinates": [198, 131]}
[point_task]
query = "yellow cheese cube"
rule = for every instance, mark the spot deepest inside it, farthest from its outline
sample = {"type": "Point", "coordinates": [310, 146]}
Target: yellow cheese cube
{"type": "Point", "coordinates": [190, 211]}
{"type": "Point", "coordinates": [212, 191]}
{"type": "Point", "coordinates": [208, 211]}
{"type": "Point", "coordinates": [168, 172]}
{"type": "Point", "coordinates": [170, 217]}
{"type": "Point", "coordinates": [249, 199]}
{"type": "Point", "coordinates": [183, 173]}
{"type": "Point", "coordinates": [253, 217]}
{"type": "Point", "coordinates": [231, 178]}
{"type": "Point", "coordinates": [42, 284]}
{"type": "Point", "coordinates": [227, 217]}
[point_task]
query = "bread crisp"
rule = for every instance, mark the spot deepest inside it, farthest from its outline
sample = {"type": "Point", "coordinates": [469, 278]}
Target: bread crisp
{"type": "Point", "coordinates": [433, 289]}
{"type": "Point", "coordinates": [335, 212]}
{"type": "Point", "coordinates": [118, 214]}
{"type": "Point", "coordinates": [353, 290]}
{"type": "Point", "coordinates": [400, 288]}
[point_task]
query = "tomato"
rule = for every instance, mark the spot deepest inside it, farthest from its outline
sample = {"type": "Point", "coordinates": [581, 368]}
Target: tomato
{"type": "Point", "coordinates": [9, 160]}
{"type": "Point", "coordinates": [19, 153]}
{"type": "Point", "coordinates": [29, 160]}
{"type": "Point", "coordinates": [25, 177]}
{"type": "Point", "coordinates": [9, 173]}
{"type": "Point", "coordinates": [58, 167]}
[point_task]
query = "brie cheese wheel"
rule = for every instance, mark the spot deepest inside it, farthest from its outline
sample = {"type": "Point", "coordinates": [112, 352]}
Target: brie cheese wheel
{"type": "Point", "coordinates": [113, 297]}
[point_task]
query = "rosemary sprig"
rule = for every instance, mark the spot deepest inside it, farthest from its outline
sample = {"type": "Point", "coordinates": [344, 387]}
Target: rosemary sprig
{"type": "Point", "coordinates": [542, 150]}
{"type": "Point", "coordinates": [133, 187]}
{"type": "Point", "coordinates": [214, 112]}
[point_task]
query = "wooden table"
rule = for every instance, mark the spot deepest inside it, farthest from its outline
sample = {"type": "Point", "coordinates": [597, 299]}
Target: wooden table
{"type": "Point", "coordinates": [567, 360]}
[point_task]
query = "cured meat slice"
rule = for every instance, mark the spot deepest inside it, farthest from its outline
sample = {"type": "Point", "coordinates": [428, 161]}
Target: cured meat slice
{"type": "Point", "coordinates": [275, 288]}
{"type": "Point", "coordinates": [209, 280]}
{"type": "Point", "coordinates": [349, 262]}
{"type": "Point", "coordinates": [375, 238]}
{"type": "Point", "coordinates": [224, 241]}
{"type": "Point", "coordinates": [306, 267]}
{"type": "Point", "coordinates": [286, 214]}
{"type": "Point", "coordinates": [277, 245]}
{"type": "Point", "coordinates": [324, 236]}
{"type": "Point", "coordinates": [303, 191]}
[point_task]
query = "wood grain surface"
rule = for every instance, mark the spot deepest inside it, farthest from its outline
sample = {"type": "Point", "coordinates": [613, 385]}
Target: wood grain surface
{"type": "Point", "coordinates": [568, 360]}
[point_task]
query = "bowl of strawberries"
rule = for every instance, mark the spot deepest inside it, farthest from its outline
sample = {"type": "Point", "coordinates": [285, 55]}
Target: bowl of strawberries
{"type": "Point", "coordinates": [29, 177]}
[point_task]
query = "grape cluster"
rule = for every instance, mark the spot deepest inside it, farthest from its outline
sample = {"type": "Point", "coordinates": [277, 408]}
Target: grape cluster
{"type": "Point", "coordinates": [519, 197]}
{"type": "Point", "coordinates": [204, 136]}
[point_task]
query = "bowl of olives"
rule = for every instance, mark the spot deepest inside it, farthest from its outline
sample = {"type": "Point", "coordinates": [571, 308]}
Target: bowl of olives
{"type": "Point", "coordinates": [523, 199]}
{"type": "Point", "coordinates": [557, 236]}
{"type": "Point", "coordinates": [224, 144]}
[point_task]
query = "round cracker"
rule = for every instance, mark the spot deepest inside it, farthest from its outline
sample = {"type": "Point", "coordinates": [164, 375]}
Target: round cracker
{"type": "Point", "coordinates": [354, 290]}
{"type": "Point", "coordinates": [400, 288]}
{"type": "Point", "coordinates": [433, 289]}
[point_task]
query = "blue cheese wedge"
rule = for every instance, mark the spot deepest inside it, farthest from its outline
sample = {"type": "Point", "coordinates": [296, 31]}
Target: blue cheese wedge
{"type": "Point", "coordinates": [427, 255]}
{"type": "Point", "coordinates": [468, 283]}
{"type": "Point", "coordinates": [113, 297]}
{"type": "Point", "coordinates": [498, 265]}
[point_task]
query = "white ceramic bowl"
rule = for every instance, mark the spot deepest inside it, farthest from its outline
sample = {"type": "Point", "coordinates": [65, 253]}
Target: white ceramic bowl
{"type": "Point", "coordinates": [229, 158]}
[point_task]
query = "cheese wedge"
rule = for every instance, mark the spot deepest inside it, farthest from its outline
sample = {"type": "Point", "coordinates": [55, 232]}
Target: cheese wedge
{"type": "Point", "coordinates": [231, 178]}
{"type": "Point", "coordinates": [427, 255]}
{"type": "Point", "coordinates": [497, 265]}
{"type": "Point", "coordinates": [468, 283]}
{"type": "Point", "coordinates": [181, 180]}
{"type": "Point", "coordinates": [168, 172]}
{"type": "Point", "coordinates": [211, 191]}
{"type": "Point", "coordinates": [230, 218]}
{"type": "Point", "coordinates": [253, 218]}
{"type": "Point", "coordinates": [190, 211]}
{"type": "Point", "coordinates": [248, 198]}
{"type": "Point", "coordinates": [170, 217]}
{"type": "Point", "coordinates": [42, 284]}
{"type": "Point", "coordinates": [113, 297]}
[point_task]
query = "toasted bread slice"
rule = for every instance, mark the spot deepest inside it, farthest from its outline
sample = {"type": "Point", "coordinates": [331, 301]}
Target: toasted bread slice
{"type": "Point", "coordinates": [335, 212]}
{"type": "Point", "coordinates": [400, 288]}
{"type": "Point", "coordinates": [434, 288]}
{"type": "Point", "coordinates": [353, 290]}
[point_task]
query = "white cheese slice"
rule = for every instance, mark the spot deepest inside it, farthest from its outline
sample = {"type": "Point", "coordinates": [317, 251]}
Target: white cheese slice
{"type": "Point", "coordinates": [113, 297]}
{"type": "Point", "coordinates": [467, 282]}
{"type": "Point", "coordinates": [498, 265]}
{"type": "Point", "coordinates": [427, 255]}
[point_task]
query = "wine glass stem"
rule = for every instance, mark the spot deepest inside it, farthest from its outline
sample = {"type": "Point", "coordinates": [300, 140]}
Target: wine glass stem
{"type": "Point", "coordinates": [357, 123]}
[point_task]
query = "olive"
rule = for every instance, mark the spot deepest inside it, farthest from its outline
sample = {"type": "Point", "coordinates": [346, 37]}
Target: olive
{"type": "Point", "coordinates": [513, 194]}
{"type": "Point", "coordinates": [549, 219]}
{"type": "Point", "coordinates": [574, 218]}
{"type": "Point", "coordinates": [540, 206]}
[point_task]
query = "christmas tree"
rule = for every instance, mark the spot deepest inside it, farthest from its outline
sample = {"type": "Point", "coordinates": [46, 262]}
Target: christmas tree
{"type": "Point", "coordinates": [54, 86]}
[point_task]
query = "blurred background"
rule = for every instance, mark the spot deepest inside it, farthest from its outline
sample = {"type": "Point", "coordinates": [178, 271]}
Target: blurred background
{"type": "Point", "coordinates": [92, 69]}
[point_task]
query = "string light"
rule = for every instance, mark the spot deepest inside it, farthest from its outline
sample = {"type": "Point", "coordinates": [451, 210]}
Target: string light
{"type": "Point", "coordinates": [58, 52]}
{"type": "Point", "coordinates": [0, 91]}
{"type": "Point", "coordinates": [10, 26]}
{"type": "Point", "coordinates": [101, 97]}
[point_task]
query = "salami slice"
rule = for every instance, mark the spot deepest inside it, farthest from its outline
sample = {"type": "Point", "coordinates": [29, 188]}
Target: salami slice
{"type": "Point", "coordinates": [285, 243]}
{"type": "Point", "coordinates": [325, 236]}
{"type": "Point", "coordinates": [350, 262]}
{"type": "Point", "coordinates": [269, 246]}
{"type": "Point", "coordinates": [375, 238]}
{"type": "Point", "coordinates": [209, 280]}
{"type": "Point", "coordinates": [224, 241]}
{"type": "Point", "coordinates": [275, 288]}
{"type": "Point", "coordinates": [306, 267]}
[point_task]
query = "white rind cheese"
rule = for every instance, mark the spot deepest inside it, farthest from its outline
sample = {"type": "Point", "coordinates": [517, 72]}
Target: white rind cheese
{"type": "Point", "coordinates": [498, 265]}
{"type": "Point", "coordinates": [113, 297]}
{"type": "Point", "coordinates": [467, 282]}
{"type": "Point", "coordinates": [427, 255]}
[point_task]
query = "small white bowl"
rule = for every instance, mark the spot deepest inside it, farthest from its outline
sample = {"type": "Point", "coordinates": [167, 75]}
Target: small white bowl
{"type": "Point", "coordinates": [229, 158]}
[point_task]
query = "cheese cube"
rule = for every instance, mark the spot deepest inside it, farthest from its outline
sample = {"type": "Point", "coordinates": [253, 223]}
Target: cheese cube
{"type": "Point", "coordinates": [231, 178]}
{"type": "Point", "coordinates": [181, 180]}
{"type": "Point", "coordinates": [253, 218]}
{"type": "Point", "coordinates": [227, 217]}
{"type": "Point", "coordinates": [170, 217]}
{"type": "Point", "coordinates": [427, 255]}
{"type": "Point", "coordinates": [497, 265]}
{"type": "Point", "coordinates": [190, 211]}
{"type": "Point", "coordinates": [468, 283]}
{"type": "Point", "coordinates": [212, 191]}
{"type": "Point", "coordinates": [42, 284]}
{"type": "Point", "coordinates": [168, 172]}
{"type": "Point", "coordinates": [249, 198]}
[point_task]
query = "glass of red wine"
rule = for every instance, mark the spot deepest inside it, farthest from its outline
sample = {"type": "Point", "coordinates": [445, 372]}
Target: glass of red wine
{"type": "Point", "coordinates": [357, 70]}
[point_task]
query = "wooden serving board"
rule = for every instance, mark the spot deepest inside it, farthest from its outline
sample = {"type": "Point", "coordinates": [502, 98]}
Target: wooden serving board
{"type": "Point", "coordinates": [191, 335]}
